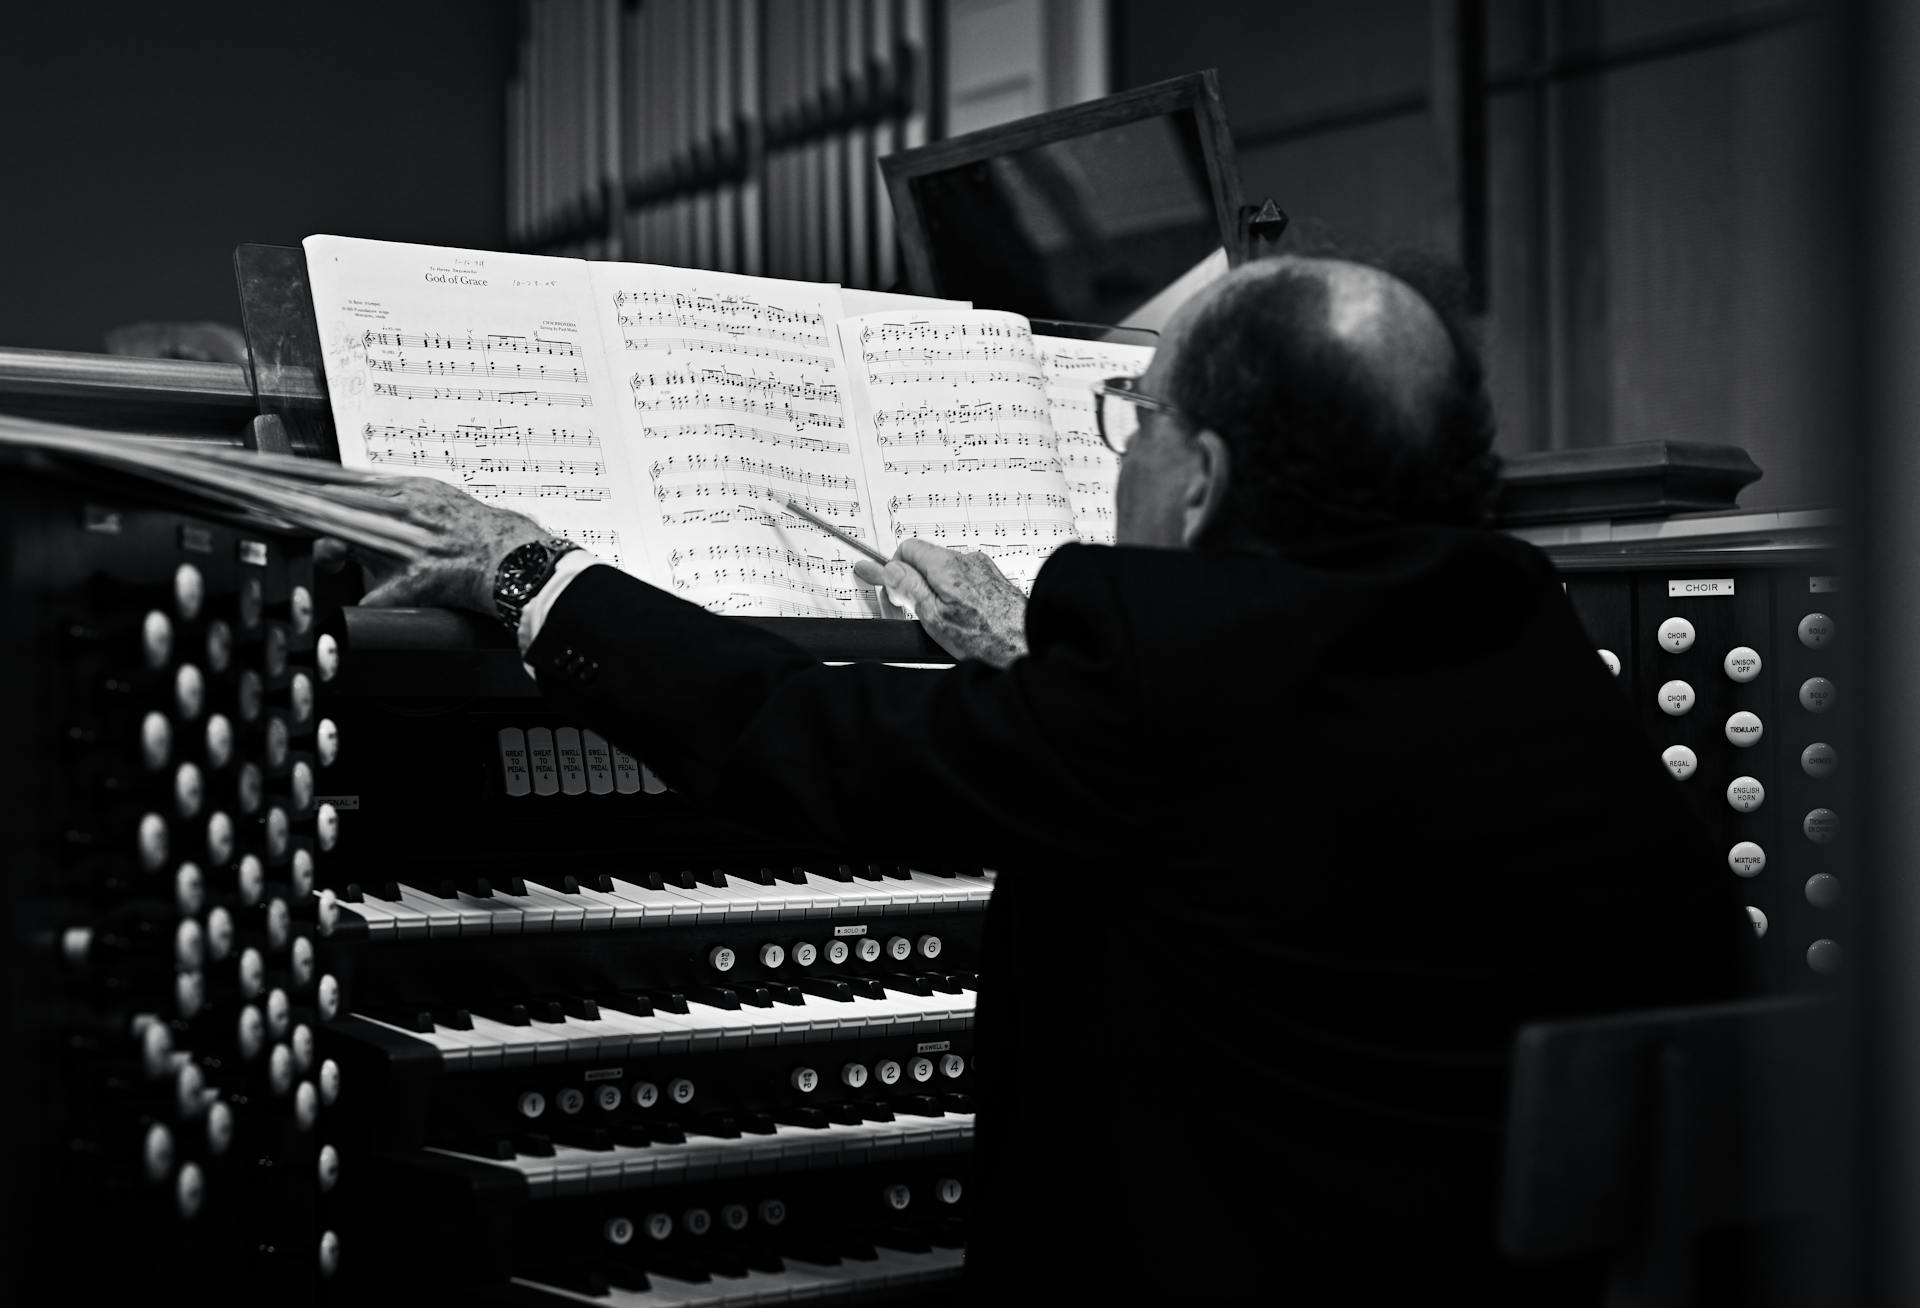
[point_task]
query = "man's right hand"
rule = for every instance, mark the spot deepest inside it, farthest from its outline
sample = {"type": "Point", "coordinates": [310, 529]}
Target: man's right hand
{"type": "Point", "coordinates": [961, 599]}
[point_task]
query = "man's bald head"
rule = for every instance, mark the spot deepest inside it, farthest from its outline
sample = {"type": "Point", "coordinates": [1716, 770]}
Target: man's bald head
{"type": "Point", "coordinates": [1345, 396]}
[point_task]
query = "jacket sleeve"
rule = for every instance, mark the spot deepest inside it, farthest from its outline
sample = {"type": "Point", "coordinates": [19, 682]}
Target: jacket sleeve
{"type": "Point", "coordinates": [978, 761]}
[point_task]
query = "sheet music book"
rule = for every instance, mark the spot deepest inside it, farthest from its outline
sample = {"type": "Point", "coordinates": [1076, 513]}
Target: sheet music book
{"type": "Point", "coordinates": [655, 415]}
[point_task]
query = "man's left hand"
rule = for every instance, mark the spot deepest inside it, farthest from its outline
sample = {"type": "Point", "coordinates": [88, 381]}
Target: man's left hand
{"type": "Point", "coordinates": [457, 570]}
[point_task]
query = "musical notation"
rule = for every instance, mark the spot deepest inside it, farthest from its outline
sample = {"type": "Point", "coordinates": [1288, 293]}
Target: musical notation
{"type": "Point", "coordinates": [571, 399]}
{"type": "Point", "coordinates": [701, 398]}
{"type": "Point", "coordinates": [956, 378]}
{"type": "Point", "coordinates": [448, 368]}
{"type": "Point", "coordinates": [972, 531]}
{"type": "Point", "coordinates": [727, 345]}
{"type": "Point", "coordinates": [977, 499]}
{"type": "Point", "coordinates": [984, 411]}
{"type": "Point", "coordinates": [485, 465]}
{"type": "Point", "coordinates": [738, 431]}
{"type": "Point", "coordinates": [973, 465]}
{"type": "Point", "coordinates": [496, 491]}
{"type": "Point", "coordinates": [732, 307]}
{"type": "Point", "coordinates": [700, 464]}
{"type": "Point", "coordinates": [477, 436]}
{"type": "Point", "coordinates": [1091, 468]}
{"type": "Point", "coordinates": [805, 389]}
{"type": "Point", "coordinates": [744, 553]}
{"type": "Point", "coordinates": [486, 343]}
{"type": "Point", "coordinates": [951, 328]}
{"type": "Point", "coordinates": [833, 509]}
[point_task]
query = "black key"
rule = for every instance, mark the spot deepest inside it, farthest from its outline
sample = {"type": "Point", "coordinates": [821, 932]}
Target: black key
{"type": "Point", "coordinates": [815, 1252]}
{"type": "Point", "coordinates": [636, 1004]}
{"type": "Point", "coordinates": [838, 872]}
{"type": "Point", "coordinates": [843, 1114]}
{"type": "Point", "coordinates": [713, 876]}
{"type": "Point", "coordinates": [389, 890]}
{"type": "Point", "coordinates": [588, 1281]}
{"type": "Point", "coordinates": [796, 876]}
{"type": "Point", "coordinates": [957, 1101]}
{"type": "Point", "coordinates": [444, 888]}
{"type": "Point", "coordinates": [950, 1234]}
{"type": "Point", "coordinates": [754, 995]}
{"type": "Point", "coordinates": [353, 894]}
{"type": "Point", "coordinates": [715, 997]}
{"type": "Point", "coordinates": [599, 881]}
{"type": "Point", "coordinates": [919, 1106]}
{"type": "Point", "coordinates": [721, 1126]}
{"type": "Point", "coordinates": [939, 870]}
{"type": "Point", "coordinates": [870, 871]}
{"type": "Point", "coordinates": [666, 1133]}
{"type": "Point", "coordinates": [581, 1007]}
{"type": "Point", "coordinates": [546, 1010]}
{"type": "Point", "coordinates": [826, 988]}
{"type": "Point", "coordinates": [896, 871]}
{"type": "Point", "coordinates": [727, 1263]}
{"type": "Point", "coordinates": [668, 1001]}
{"type": "Point", "coordinates": [782, 993]}
{"type": "Point", "coordinates": [755, 1123]}
{"type": "Point", "coordinates": [407, 1017]}
{"type": "Point", "coordinates": [969, 980]}
{"type": "Point", "coordinates": [905, 1239]}
{"type": "Point", "coordinates": [855, 1249]}
{"type": "Point", "coordinates": [760, 876]}
{"type": "Point", "coordinates": [799, 1115]}
{"type": "Point", "coordinates": [683, 878]}
{"type": "Point", "coordinates": [651, 880]}
{"type": "Point", "coordinates": [627, 1276]}
{"type": "Point", "coordinates": [511, 884]}
{"type": "Point", "coordinates": [483, 1146]}
{"type": "Point", "coordinates": [597, 1138]}
{"type": "Point", "coordinates": [536, 1143]}
{"type": "Point", "coordinates": [680, 1266]}
{"type": "Point", "coordinates": [563, 883]}
{"type": "Point", "coordinates": [907, 984]}
{"type": "Point", "coordinates": [504, 1011]}
{"type": "Point", "coordinates": [632, 1135]}
{"type": "Point", "coordinates": [764, 1260]}
{"type": "Point", "coordinates": [864, 986]}
{"type": "Point", "coordinates": [946, 985]}
{"type": "Point", "coordinates": [875, 1112]}
{"type": "Point", "coordinates": [454, 1019]}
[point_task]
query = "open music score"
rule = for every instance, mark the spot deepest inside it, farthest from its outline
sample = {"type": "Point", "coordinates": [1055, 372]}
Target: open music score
{"type": "Point", "coordinates": [648, 412]}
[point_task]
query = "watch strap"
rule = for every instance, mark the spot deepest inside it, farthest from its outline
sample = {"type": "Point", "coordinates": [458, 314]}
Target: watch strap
{"type": "Point", "coordinates": [522, 574]}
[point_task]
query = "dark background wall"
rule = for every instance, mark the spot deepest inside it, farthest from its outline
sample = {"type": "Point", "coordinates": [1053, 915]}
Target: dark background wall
{"type": "Point", "coordinates": [144, 141]}
{"type": "Point", "coordinates": [1653, 207]}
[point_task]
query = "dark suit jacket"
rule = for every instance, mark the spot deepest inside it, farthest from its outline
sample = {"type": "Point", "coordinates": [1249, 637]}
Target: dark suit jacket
{"type": "Point", "coordinates": [1289, 847]}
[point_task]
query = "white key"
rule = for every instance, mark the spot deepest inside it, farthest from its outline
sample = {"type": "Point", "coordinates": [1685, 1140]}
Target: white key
{"type": "Point", "coordinates": [568, 913]}
{"type": "Point", "coordinates": [598, 908]}
{"type": "Point", "coordinates": [659, 906]}
{"type": "Point", "coordinates": [472, 920]}
{"type": "Point", "coordinates": [519, 1046]}
{"type": "Point", "coordinates": [380, 920]}
{"type": "Point", "coordinates": [505, 919]}
{"type": "Point", "coordinates": [409, 922]}
{"type": "Point", "coordinates": [453, 1051]}
{"type": "Point", "coordinates": [588, 1041]}
{"type": "Point", "coordinates": [536, 916]}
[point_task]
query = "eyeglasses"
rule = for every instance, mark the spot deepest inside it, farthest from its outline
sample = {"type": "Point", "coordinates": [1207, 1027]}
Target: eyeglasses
{"type": "Point", "coordinates": [1116, 411]}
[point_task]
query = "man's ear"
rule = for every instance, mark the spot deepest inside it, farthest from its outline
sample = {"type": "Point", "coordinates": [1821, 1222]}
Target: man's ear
{"type": "Point", "coordinates": [1206, 488]}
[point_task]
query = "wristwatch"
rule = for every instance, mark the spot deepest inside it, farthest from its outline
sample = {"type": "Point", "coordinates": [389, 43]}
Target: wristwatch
{"type": "Point", "coordinates": [522, 573]}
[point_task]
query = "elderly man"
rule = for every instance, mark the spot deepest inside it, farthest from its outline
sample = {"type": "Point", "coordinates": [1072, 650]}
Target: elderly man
{"type": "Point", "coordinates": [1305, 795]}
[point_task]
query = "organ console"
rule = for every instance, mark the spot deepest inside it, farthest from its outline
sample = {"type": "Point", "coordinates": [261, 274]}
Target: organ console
{"type": "Point", "coordinates": [345, 969]}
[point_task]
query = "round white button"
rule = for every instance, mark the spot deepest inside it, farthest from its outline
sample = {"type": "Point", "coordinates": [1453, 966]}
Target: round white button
{"type": "Point", "coordinates": [720, 958]}
{"type": "Point", "coordinates": [189, 992]}
{"type": "Point", "coordinates": [1676, 697]}
{"type": "Point", "coordinates": [617, 1230]}
{"type": "Point", "coordinates": [219, 1127]}
{"type": "Point", "coordinates": [531, 1103]}
{"type": "Point", "coordinates": [158, 1153]}
{"type": "Point", "coordinates": [645, 1094]}
{"type": "Point", "coordinates": [896, 1197]}
{"type": "Point", "coordinates": [854, 1075]}
{"type": "Point", "coordinates": [899, 948]}
{"type": "Point", "coordinates": [928, 946]}
{"type": "Point", "coordinates": [156, 639]}
{"type": "Point", "coordinates": [607, 1098]}
{"type": "Point", "coordinates": [887, 1072]}
{"type": "Point", "coordinates": [219, 645]}
{"type": "Point", "coordinates": [1816, 631]}
{"type": "Point", "coordinates": [326, 742]}
{"type": "Point", "coordinates": [1822, 826]}
{"type": "Point", "coordinates": [1680, 761]}
{"type": "Point", "coordinates": [189, 1188]}
{"type": "Point", "coordinates": [329, 1253]}
{"type": "Point", "coordinates": [189, 692]}
{"type": "Point", "coordinates": [1742, 663]}
{"type": "Point", "coordinates": [1612, 661]}
{"type": "Point", "coordinates": [219, 741]}
{"type": "Point", "coordinates": [952, 1065]}
{"type": "Point", "coordinates": [1823, 890]}
{"type": "Point", "coordinates": [1823, 956]}
{"type": "Point", "coordinates": [772, 955]}
{"type": "Point", "coordinates": [300, 609]}
{"type": "Point", "coordinates": [189, 888]}
{"type": "Point", "coordinates": [329, 1167]}
{"type": "Point", "coordinates": [219, 838]}
{"type": "Point", "coordinates": [327, 998]}
{"type": "Point", "coordinates": [570, 1101]}
{"type": "Point", "coordinates": [302, 872]}
{"type": "Point", "coordinates": [948, 1191]}
{"type": "Point", "coordinates": [189, 591]}
{"type": "Point", "coordinates": [772, 1212]}
{"type": "Point", "coordinates": [1745, 794]}
{"type": "Point", "coordinates": [279, 1014]}
{"type": "Point", "coordinates": [1816, 694]}
{"type": "Point", "coordinates": [868, 949]}
{"type": "Point", "coordinates": [189, 944]}
{"type": "Point", "coordinates": [735, 1216]}
{"type": "Point", "coordinates": [250, 879]}
{"type": "Point", "coordinates": [1747, 859]}
{"type": "Point", "coordinates": [250, 695]}
{"type": "Point", "coordinates": [156, 741]}
{"type": "Point", "coordinates": [1819, 759]}
{"type": "Point", "coordinates": [921, 1069]}
{"type": "Point", "coordinates": [152, 841]}
{"type": "Point", "coordinates": [1744, 729]}
{"type": "Point", "coordinates": [326, 826]}
{"type": "Point", "coordinates": [306, 1106]}
{"type": "Point", "coordinates": [280, 1069]}
{"type": "Point", "coordinates": [329, 1081]}
{"type": "Point", "coordinates": [277, 743]}
{"type": "Point", "coordinates": [249, 788]}
{"type": "Point", "coordinates": [680, 1090]}
{"type": "Point", "coordinates": [326, 656]}
{"type": "Point", "coordinates": [837, 952]}
{"type": "Point", "coordinates": [301, 1042]}
{"type": "Point", "coordinates": [698, 1221]}
{"type": "Point", "coordinates": [659, 1226]}
{"type": "Point", "coordinates": [804, 1079]}
{"type": "Point", "coordinates": [300, 696]}
{"type": "Point", "coordinates": [188, 790]}
{"type": "Point", "coordinates": [1758, 919]}
{"type": "Point", "coordinates": [805, 954]}
{"type": "Point", "coordinates": [250, 1032]}
{"type": "Point", "coordinates": [1676, 635]}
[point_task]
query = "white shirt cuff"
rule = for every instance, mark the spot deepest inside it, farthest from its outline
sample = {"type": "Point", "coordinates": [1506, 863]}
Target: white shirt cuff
{"type": "Point", "coordinates": [534, 615]}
